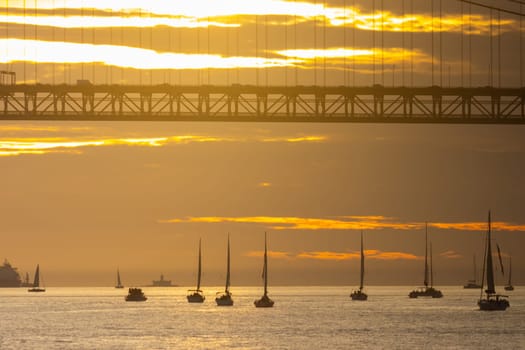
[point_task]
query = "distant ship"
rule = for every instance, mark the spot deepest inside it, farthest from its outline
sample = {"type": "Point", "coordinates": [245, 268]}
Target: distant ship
{"type": "Point", "coordinates": [265, 300]}
{"type": "Point", "coordinates": [359, 294]}
{"type": "Point", "coordinates": [196, 295]}
{"type": "Point", "coordinates": [225, 298]}
{"type": "Point", "coordinates": [427, 291]}
{"type": "Point", "coordinates": [492, 300]}
{"type": "Point", "coordinates": [36, 284]}
{"type": "Point", "coordinates": [473, 284]}
{"type": "Point", "coordinates": [509, 286]}
{"type": "Point", "coordinates": [162, 282]}
{"type": "Point", "coordinates": [9, 277]}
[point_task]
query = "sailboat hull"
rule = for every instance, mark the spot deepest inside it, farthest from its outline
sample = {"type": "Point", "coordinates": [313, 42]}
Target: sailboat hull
{"type": "Point", "coordinates": [224, 300]}
{"type": "Point", "coordinates": [195, 297]}
{"type": "Point", "coordinates": [509, 288]}
{"type": "Point", "coordinates": [359, 295]}
{"type": "Point", "coordinates": [264, 302]}
{"type": "Point", "coordinates": [493, 304]}
{"type": "Point", "coordinates": [36, 290]}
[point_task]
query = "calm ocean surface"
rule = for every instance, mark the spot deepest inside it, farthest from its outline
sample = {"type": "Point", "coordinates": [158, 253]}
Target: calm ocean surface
{"type": "Point", "coordinates": [303, 318]}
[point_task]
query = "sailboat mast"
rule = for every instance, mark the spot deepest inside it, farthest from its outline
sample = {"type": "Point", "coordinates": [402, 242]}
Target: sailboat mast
{"type": "Point", "coordinates": [36, 282]}
{"type": "Point", "coordinates": [425, 282]}
{"type": "Point", "coordinates": [362, 263]}
{"type": "Point", "coordinates": [265, 268]}
{"type": "Point", "coordinates": [228, 268]}
{"type": "Point", "coordinates": [491, 289]}
{"type": "Point", "coordinates": [118, 278]}
{"type": "Point", "coordinates": [510, 270]}
{"type": "Point", "coordinates": [431, 270]}
{"type": "Point", "coordinates": [199, 271]}
{"type": "Point", "coordinates": [475, 271]}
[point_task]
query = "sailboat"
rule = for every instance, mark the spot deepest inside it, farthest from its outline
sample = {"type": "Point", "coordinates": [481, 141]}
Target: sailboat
{"type": "Point", "coordinates": [225, 298]}
{"type": "Point", "coordinates": [196, 295]}
{"type": "Point", "coordinates": [119, 282]}
{"type": "Point", "coordinates": [509, 285]}
{"type": "Point", "coordinates": [492, 301]}
{"type": "Point", "coordinates": [473, 284]}
{"type": "Point", "coordinates": [265, 301]}
{"type": "Point", "coordinates": [36, 282]}
{"type": "Point", "coordinates": [359, 294]}
{"type": "Point", "coordinates": [427, 291]}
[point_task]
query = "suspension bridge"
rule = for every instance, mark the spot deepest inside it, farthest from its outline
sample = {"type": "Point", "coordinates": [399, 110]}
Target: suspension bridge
{"type": "Point", "coordinates": [399, 102]}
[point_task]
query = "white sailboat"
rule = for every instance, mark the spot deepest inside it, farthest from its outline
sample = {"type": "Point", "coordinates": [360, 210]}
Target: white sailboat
{"type": "Point", "coordinates": [196, 295]}
{"type": "Point", "coordinates": [492, 301]}
{"type": "Point", "coordinates": [265, 301]}
{"type": "Point", "coordinates": [119, 282]}
{"type": "Point", "coordinates": [427, 291]}
{"type": "Point", "coordinates": [359, 294]}
{"type": "Point", "coordinates": [36, 282]}
{"type": "Point", "coordinates": [225, 298]}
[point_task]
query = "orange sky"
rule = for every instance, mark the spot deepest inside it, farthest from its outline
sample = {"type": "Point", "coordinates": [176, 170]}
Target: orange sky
{"type": "Point", "coordinates": [82, 199]}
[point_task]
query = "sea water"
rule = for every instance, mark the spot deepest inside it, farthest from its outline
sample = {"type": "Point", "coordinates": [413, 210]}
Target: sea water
{"type": "Point", "coordinates": [302, 318]}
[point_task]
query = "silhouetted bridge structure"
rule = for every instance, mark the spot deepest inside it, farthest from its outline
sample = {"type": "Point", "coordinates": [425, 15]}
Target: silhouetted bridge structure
{"type": "Point", "coordinates": [243, 103]}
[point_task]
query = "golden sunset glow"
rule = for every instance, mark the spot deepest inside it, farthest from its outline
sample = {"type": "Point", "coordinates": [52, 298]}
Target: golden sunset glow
{"type": "Point", "coordinates": [336, 256]}
{"type": "Point", "coordinates": [345, 223]}
{"type": "Point", "coordinates": [228, 12]}
{"type": "Point", "coordinates": [45, 145]}
{"type": "Point", "coordinates": [12, 50]}
{"type": "Point", "coordinates": [297, 223]}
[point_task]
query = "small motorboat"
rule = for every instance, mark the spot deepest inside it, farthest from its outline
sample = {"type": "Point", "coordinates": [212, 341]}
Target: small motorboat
{"type": "Point", "coordinates": [136, 294]}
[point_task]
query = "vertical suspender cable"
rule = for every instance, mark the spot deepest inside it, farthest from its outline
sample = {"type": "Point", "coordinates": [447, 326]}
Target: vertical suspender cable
{"type": "Point", "coordinates": [36, 38]}
{"type": "Point", "coordinates": [266, 48]}
{"type": "Point", "coordinates": [490, 82]}
{"type": "Point", "coordinates": [295, 46]}
{"type": "Point", "coordinates": [373, 42]}
{"type": "Point", "coordinates": [353, 42]}
{"type": "Point", "coordinates": [344, 45]}
{"type": "Point", "coordinates": [25, 44]}
{"type": "Point", "coordinates": [315, 45]}
{"type": "Point", "coordinates": [470, 45]}
{"type": "Point", "coordinates": [440, 43]}
{"type": "Point", "coordinates": [411, 44]}
{"type": "Point", "coordinates": [499, 49]}
{"type": "Point", "coordinates": [324, 43]}
{"type": "Point", "coordinates": [403, 44]}
{"type": "Point", "coordinates": [93, 42]}
{"type": "Point", "coordinates": [432, 40]}
{"type": "Point", "coordinates": [382, 46]}
{"type": "Point", "coordinates": [257, 49]}
{"type": "Point", "coordinates": [150, 46]}
{"type": "Point", "coordinates": [461, 38]}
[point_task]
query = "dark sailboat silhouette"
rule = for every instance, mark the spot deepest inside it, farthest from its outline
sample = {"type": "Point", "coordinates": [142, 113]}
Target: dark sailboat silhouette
{"type": "Point", "coordinates": [196, 295]}
{"type": "Point", "coordinates": [265, 301]}
{"type": "Point", "coordinates": [225, 298]}
{"type": "Point", "coordinates": [427, 291]}
{"type": "Point", "coordinates": [359, 294]}
{"type": "Point", "coordinates": [509, 286]}
{"type": "Point", "coordinates": [36, 282]}
{"type": "Point", "coordinates": [473, 284]}
{"type": "Point", "coordinates": [491, 301]}
{"type": "Point", "coordinates": [119, 282]}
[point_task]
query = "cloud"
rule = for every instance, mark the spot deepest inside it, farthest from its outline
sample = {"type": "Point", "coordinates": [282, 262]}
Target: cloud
{"type": "Point", "coordinates": [271, 253]}
{"type": "Point", "coordinates": [336, 256]}
{"type": "Point", "coordinates": [298, 223]}
{"type": "Point", "coordinates": [451, 254]}
{"type": "Point", "coordinates": [373, 222]}
{"type": "Point", "coordinates": [73, 145]}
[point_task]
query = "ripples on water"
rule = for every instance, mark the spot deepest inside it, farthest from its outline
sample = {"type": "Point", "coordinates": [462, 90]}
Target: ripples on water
{"type": "Point", "coordinates": [303, 318]}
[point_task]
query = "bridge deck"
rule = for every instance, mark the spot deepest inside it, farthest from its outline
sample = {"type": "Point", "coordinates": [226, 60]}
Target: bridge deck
{"type": "Point", "coordinates": [374, 104]}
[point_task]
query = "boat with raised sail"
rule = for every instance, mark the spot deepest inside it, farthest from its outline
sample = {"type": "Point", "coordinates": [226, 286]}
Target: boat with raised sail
{"type": "Point", "coordinates": [196, 295]}
{"type": "Point", "coordinates": [509, 287]}
{"type": "Point", "coordinates": [265, 300]}
{"type": "Point", "coordinates": [119, 282]}
{"type": "Point", "coordinates": [36, 282]}
{"type": "Point", "coordinates": [225, 298]}
{"type": "Point", "coordinates": [359, 294]}
{"type": "Point", "coordinates": [427, 291]}
{"type": "Point", "coordinates": [492, 301]}
{"type": "Point", "coordinates": [473, 283]}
